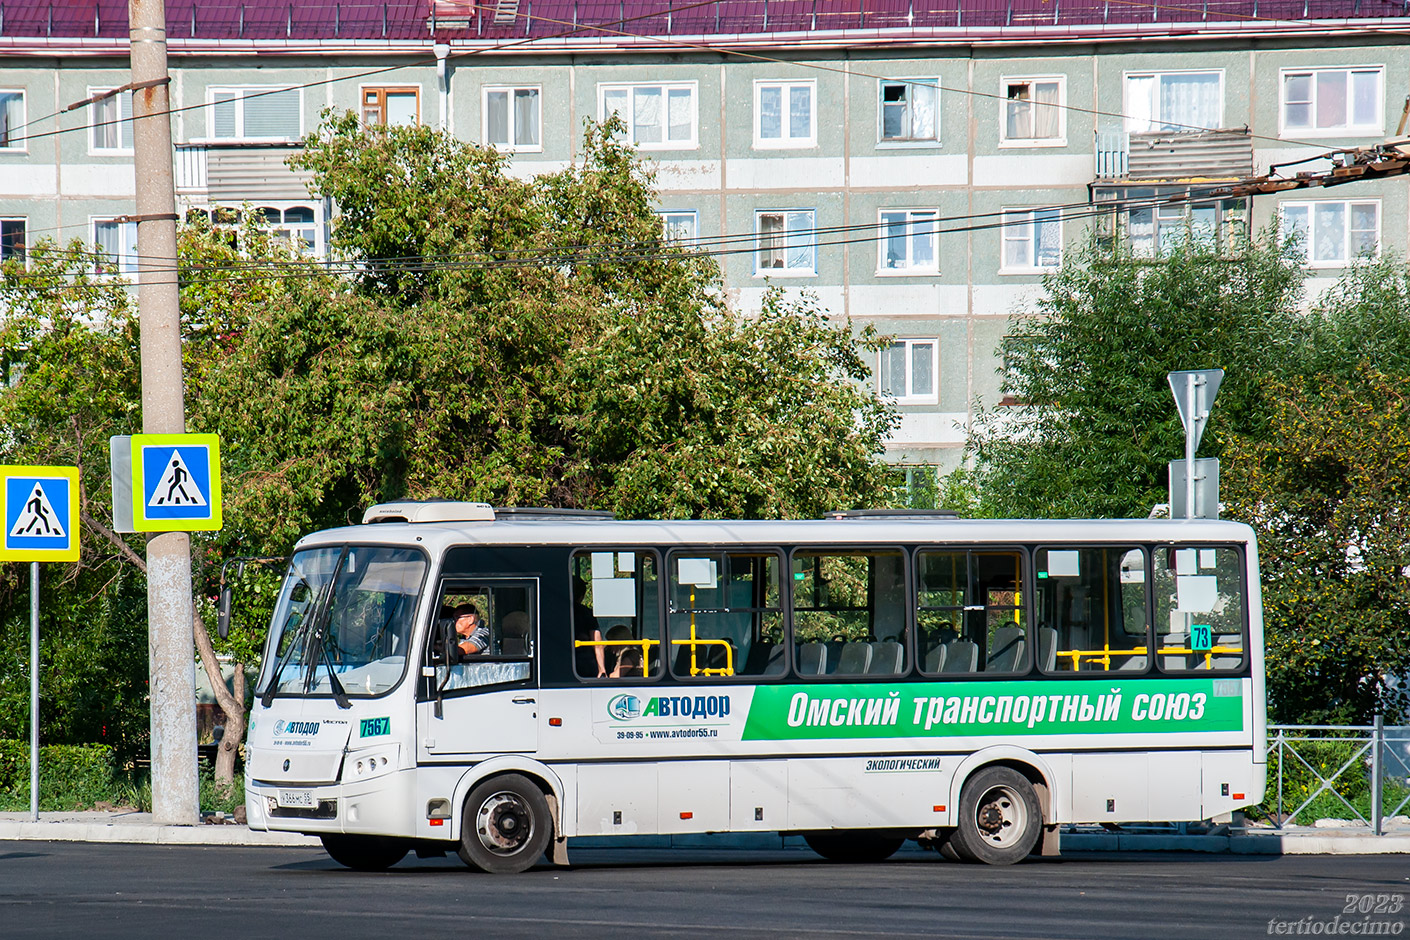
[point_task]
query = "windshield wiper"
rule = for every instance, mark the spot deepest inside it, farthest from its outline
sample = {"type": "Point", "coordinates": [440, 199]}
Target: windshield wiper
{"type": "Point", "coordinates": [272, 687]}
{"type": "Point", "coordinates": [340, 695]}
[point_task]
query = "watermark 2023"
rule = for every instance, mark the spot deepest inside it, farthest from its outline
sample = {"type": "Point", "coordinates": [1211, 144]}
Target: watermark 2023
{"type": "Point", "coordinates": [1362, 915]}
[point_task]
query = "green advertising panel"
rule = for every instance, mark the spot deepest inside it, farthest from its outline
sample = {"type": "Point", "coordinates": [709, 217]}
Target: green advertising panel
{"type": "Point", "coordinates": [957, 709]}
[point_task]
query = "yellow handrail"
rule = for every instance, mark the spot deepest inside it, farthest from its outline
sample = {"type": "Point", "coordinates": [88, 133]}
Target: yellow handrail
{"type": "Point", "coordinates": [1103, 656]}
{"type": "Point", "coordinates": [726, 670]}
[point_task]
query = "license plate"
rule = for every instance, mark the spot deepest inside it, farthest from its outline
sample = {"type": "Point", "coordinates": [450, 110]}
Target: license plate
{"type": "Point", "coordinates": [302, 799]}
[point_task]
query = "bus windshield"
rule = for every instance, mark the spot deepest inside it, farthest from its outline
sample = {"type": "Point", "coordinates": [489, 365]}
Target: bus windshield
{"type": "Point", "coordinates": [344, 612]}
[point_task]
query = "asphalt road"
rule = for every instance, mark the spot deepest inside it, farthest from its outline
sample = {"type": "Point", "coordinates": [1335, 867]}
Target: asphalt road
{"type": "Point", "coordinates": [99, 891]}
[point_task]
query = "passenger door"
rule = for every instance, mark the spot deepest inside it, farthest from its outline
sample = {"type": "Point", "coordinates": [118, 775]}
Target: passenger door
{"type": "Point", "coordinates": [486, 703]}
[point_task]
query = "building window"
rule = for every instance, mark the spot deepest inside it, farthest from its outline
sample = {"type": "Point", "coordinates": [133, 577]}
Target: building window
{"type": "Point", "coordinates": [909, 110]}
{"type": "Point", "coordinates": [1032, 240]}
{"type": "Point", "coordinates": [784, 114]}
{"type": "Point", "coordinates": [111, 130]}
{"type": "Point", "coordinates": [679, 225]}
{"type": "Point", "coordinates": [258, 112]}
{"type": "Point", "coordinates": [117, 244]}
{"type": "Point", "coordinates": [12, 239]}
{"type": "Point", "coordinates": [1333, 100]}
{"type": "Point", "coordinates": [908, 371]}
{"type": "Point", "coordinates": [1174, 101]}
{"type": "Point", "coordinates": [512, 118]}
{"type": "Point", "coordinates": [1033, 112]}
{"type": "Point", "coordinates": [299, 223]}
{"type": "Point", "coordinates": [658, 117]}
{"type": "Point", "coordinates": [1334, 232]}
{"type": "Point", "coordinates": [1149, 223]}
{"type": "Point", "coordinates": [907, 240]}
{"type": "Point", "coordinates": [11, 119]}
{"type": "Point", "coordinates": [787, 242]}
{"type": "Point", "coordinates": [391, 106]}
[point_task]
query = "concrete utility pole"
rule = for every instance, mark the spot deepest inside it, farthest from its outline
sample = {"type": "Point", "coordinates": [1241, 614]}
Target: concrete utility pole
{"type": "Point", "coordinates": [171, 650]}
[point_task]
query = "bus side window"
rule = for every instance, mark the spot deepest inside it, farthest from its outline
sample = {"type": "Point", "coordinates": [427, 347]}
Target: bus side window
{"type": "Point", "coordinates": [616, 614]}
{"type": "Point", "coordinates": [1091, 609]}
{"type": "Point", "coordinates": [849, 614]}
{"type": "Point", "coordinates": [725, 614]}
{"type": "Point", "coordinates": [506, 613]}
{"type": "Point", "coordinates": [1199, 608]}
{"type": "Point", "coordinates": [969, 613]}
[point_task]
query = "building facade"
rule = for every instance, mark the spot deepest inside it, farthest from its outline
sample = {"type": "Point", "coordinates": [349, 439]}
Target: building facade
{"type": "Point", "coordinates": [916, 169]}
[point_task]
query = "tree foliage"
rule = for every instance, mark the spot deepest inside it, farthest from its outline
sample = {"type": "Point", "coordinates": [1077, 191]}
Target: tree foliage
{"type": "Point", "coordinates": [1096, 424]}
{"type": "Point", "coordinates": [523, 342]}
{"type": "Point", "coordinates": [68, 344]}
{"type": "Point", "coordinates": [1312, 425]}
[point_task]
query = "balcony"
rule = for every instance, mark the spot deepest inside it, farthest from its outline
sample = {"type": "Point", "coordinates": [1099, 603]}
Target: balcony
{"type": "Point", "coordinates": [232, 173]}
{"type": "Point", "coordinates": [1221, 154]}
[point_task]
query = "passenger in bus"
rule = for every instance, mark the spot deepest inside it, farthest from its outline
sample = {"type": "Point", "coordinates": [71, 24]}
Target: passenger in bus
{"type": "Point", "coordinates": [592, 660]}
{"type": "Point", "coordinates": [628, 664]}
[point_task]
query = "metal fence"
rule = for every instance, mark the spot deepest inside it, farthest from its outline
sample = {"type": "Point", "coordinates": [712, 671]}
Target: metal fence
{"type": "Point", "coordinates": [1353, 772]}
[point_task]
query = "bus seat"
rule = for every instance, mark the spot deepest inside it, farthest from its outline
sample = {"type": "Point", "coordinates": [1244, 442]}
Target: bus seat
{"type": "Point", "coordinates": [1178, 661]}
{"type": "Point", "coordinates": [1047, 649]}
{"type": "Point", "coordinates": [935, 658]}
{"type": "Point", "coordinates": [855, 659]}
{"type": "Point", "coordinates": [1007, 648]}
{"type": "Point", "coordinates": [1129, 663]}
{"type": "Point", "coordinates": [812, 659]}
{"type": "Point", "coordinates": [515, 634]}
{"type": "Point", "coordinates": [887, 658]}
{"type": "Point", "coordinates": [961, 656]}
{"type": "Point", "coordinates": [764, 659]}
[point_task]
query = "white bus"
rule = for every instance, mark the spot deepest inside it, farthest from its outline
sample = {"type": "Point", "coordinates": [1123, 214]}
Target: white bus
{"type": "Point", "coordinates": [859, 680]}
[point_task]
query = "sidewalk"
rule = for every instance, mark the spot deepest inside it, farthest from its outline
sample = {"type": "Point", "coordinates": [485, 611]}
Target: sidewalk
{"type": "Point", "coordinates": [134, 827]}
{"type": "Point", "coordinates": [1294, 840]}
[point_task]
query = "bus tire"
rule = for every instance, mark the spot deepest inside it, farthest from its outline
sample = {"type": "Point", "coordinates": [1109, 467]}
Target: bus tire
{"type": "Point", "coordinates": [999, 820]}
{"type": "Point", "coordinates": [364, 853]}
{"type": "Point", "coordinates": [506, 826]}
{"type": "Point", "coordinates": [854, 847]}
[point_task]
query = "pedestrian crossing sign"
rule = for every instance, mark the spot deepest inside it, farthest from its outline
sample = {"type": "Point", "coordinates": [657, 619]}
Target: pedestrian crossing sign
{"type": "Point", "coordinates": [40, 514]}
{"type": "Point", "coordinates": [176, 478]}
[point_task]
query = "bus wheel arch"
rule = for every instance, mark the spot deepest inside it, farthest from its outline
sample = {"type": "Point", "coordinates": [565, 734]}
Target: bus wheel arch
{"type": "Point", "coordinates": [512, 779]}
{"type": "Point", "coordinates": [1003, 808]}
{"type": "Point", "coordinates": [506, 825]}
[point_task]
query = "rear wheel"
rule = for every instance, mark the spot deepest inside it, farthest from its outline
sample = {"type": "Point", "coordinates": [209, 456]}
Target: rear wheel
{"type": "Point", "coordinates": [999, 820]}
{"type": "Point", "coordinates": [364, 853]}
{"type": "Point", "coordinates": [853, 846]}
{"type": "Point", "coordinates": [506, 826]}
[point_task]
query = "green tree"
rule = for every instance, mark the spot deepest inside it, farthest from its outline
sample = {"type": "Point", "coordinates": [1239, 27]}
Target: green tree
{"type": "Point", "coordinates": [521, 342]}
{"type": "Point", "coordinates": [1328, 489]}
{"type": "Point", "coordinates": [1095, 424]}
{"type": "Point", "coordinates": [68, 346]}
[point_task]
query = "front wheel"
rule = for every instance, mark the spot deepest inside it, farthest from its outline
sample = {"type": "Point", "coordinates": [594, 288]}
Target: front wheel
{"type": "Point", "coordinates": [999, 820]}
{"type": "Point", "coordinates": [364, 853]}
{"type": "Point", "coordinates": [853, 847]}
{"type": "Point", "coordinates": [506, 826]}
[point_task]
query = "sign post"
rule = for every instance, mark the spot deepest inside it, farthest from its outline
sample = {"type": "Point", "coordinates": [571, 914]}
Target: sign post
{"type": "Point", "coordinates": [1194, 398]}
{"type": "Point", "coordinates": [40, 513]}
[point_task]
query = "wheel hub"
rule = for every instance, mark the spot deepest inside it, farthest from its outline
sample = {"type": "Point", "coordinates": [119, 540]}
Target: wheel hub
{"type": "Point", "coordinates": [503, 823]}
{"type": "Point", "coordinates": [1000, 816]}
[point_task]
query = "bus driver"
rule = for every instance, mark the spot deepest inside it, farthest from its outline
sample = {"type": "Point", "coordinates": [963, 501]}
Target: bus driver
{"type": "Point", "coordinates": [472, 635]}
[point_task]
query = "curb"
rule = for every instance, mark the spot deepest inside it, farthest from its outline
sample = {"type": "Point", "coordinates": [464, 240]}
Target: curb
{"type": "Point", "coordinates": [1269, 842]}
{"type": "Point", "coordinates": [136, 828]}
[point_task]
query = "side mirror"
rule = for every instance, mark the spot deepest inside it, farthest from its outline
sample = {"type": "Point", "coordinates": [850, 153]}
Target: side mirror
{"type": "Point", "coordinates": [222, 616]}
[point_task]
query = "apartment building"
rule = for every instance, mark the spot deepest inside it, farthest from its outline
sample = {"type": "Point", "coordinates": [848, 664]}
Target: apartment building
{"type": "Point", "coordinates": [916, 165]}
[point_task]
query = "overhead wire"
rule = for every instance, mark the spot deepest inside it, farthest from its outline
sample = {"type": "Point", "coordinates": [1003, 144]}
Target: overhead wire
{"type": "Point", "coordinates": [551, 257]}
